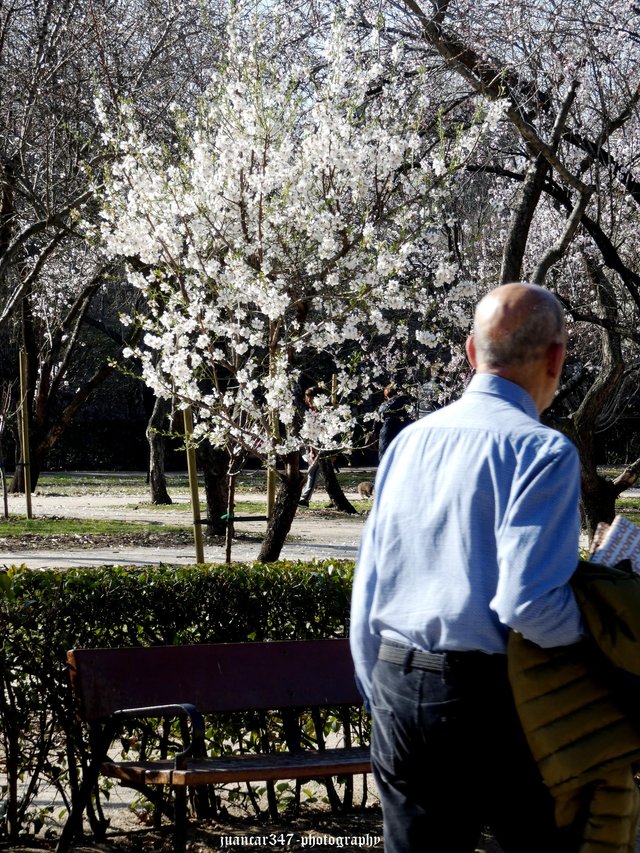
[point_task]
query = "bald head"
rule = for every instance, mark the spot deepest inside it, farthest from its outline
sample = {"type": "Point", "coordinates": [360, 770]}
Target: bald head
{"type": "Point", "coordinates": [515, 324]}
{"type": "Point", "coordinates": [519, 333]}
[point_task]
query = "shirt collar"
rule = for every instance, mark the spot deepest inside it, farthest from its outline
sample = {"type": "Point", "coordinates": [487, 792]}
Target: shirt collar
{"type": "Point", "coordinates": [489, 383]}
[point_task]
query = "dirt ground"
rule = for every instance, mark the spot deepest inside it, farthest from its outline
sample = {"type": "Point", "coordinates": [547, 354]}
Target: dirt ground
{"type": "Point", "coordinates": [314, 830]}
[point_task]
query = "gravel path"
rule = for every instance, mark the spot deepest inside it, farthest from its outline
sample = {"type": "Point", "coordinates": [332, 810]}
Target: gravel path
{"type": "Point", "coordinates": [315, 534]}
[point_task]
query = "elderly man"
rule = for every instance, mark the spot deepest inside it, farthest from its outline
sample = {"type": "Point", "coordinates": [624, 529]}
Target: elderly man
{"type": "Point", "coordinates": [474, 532]}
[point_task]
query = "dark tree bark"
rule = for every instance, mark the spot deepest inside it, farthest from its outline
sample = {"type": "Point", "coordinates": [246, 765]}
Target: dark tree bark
{"type": "Point", "coordinates": [214, 464]}
{"type": "Point", "coordinates": [331, 484]}
{"type": "Point", "coordinates": [525, 208]}
{"type": "Point", "coordinates": [50, 371]}
{"type": "Point", "coordinates": [598, 493]}
{"type": "Point", "coordinates": [155, 436]}
{"type": "Point", "coordinates": [284, 510]}
{"type": "Point", "coordinates": [42, 444]}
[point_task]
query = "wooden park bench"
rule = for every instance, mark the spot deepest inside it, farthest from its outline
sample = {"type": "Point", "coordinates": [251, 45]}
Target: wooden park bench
{"type": "Point", "coordinates": [111, 686]}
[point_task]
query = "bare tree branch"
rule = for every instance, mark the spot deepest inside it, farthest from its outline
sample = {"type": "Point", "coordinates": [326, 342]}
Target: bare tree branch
{"type": "Point", "coordinates": [491, 82]}
{"type": "Point", "coordinates": [556, 251]}
{"type": "Point", "coordinates": [58, 219]}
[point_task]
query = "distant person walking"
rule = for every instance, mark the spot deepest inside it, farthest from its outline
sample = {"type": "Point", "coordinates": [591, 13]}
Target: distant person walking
{"type": "Point", "coordinates": [312, 455]}
{"type": "Point", "coordinates": [396, 415]}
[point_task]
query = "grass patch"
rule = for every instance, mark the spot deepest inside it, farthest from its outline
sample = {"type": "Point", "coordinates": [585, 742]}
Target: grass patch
{"type": "Point", "coordinates": [180, 506]}
{"type": "Point", "coordinates": [135, 482]}
{"type": "Point", "coordinates": [102, 483]}
{"type": "Point", "coordinates": [250, 508]}
{"type": "Point", "coordinates": [129, 483]}
{"type": "Point", "coordinates": [610, 471]}
{"type": "Point", "coordinates": [628, 504]}
{"type": "Point", "coordinates": [19, 527]}
{"type": "Point", "coordinates": [256, 481]}
{"type": "Point", "coordinates": [349, 479]}
{"type": "Point", "coordinates": [252, 481]}
{"type": "Point", "coordinates": [241, 507]}
{"type": "Point", "coordinates": [323, 504]}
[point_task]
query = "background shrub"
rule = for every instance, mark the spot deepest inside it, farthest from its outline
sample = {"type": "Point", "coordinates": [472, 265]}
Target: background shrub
{"type": "Point", "coordinates": [45, 613]}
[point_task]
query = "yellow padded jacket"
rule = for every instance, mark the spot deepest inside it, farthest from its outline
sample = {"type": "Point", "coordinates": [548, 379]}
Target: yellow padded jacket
{"type": "Point", "coordinates": [584, 741]}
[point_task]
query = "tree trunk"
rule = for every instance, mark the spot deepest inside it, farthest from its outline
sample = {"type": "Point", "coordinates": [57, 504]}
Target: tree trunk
{"type": "Point", "coordinates": [598, 493]}
{"type": "Point", "coordinates": [284, 510]}
{"type": "Point", "coordinates": [42, 444]}
{"type": "Point", "coordinates": [41, 394]}
{"type": "Point", "coordinates": [214, 464]}
{"type": "Point", "coordinates": [30, 348]}
{"type": "Point", "coordinates": [16, 487]}
{"type": "Point", "coordinates": [598, 501]}
{"type": "Point", "coordinates": [521, 218]}
{"type": "Point", "coordinates": [331, 484]}
{"type": "Point", "coordinates": [155, 437]}
{"type": "Point", "coordinates": [5, 503]}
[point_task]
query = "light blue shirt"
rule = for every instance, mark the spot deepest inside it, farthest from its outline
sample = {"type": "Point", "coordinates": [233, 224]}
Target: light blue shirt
{"type": "Point", "coordinates": [474, 530]}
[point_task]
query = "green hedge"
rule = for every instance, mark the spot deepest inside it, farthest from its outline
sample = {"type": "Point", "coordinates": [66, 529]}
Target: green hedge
{"type": "Point", "coordinates": [45, 613]}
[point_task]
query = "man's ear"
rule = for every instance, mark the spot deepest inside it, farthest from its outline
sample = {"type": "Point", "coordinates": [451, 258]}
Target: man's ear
{"type": "Point", "coordinates": [470, 347]}
{"type": "Point", "coordinates": [555, 359]}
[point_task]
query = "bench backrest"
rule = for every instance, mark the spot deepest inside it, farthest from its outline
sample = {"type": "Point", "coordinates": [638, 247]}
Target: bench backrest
{"type": "Point", "coordinates": [218, 677]}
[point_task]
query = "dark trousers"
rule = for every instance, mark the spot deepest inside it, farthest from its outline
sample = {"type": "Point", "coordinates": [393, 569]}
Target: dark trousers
{"type": "Point", "coordinates": [449, 758]}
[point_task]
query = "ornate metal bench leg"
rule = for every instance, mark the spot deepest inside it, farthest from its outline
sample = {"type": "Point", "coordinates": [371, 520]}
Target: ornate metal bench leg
{"type": "Point", "coordinates": [180, 819]}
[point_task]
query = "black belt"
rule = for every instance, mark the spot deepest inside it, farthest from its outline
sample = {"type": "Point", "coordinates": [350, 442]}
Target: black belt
{"type": "Point", "coordinates": [411, 658]}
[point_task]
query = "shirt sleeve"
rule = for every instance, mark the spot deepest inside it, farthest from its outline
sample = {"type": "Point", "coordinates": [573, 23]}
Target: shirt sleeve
{"type": "Point", "coordinates": [364, 644]}
{"type": "Point", "coordinates": [538, 550]}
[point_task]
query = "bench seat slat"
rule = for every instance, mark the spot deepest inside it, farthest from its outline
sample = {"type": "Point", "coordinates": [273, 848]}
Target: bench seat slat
{"type": "Point", "coordinates": [244, 768]}
{"type": "Point", "coordinates": [139, 772]}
